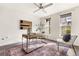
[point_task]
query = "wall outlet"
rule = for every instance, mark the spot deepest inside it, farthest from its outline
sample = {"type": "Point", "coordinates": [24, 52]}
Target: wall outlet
{"type": "Point", "coordinates": [2, 38]}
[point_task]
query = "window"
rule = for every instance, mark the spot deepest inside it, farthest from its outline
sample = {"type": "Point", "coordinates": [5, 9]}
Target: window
{"type": "Point", "coordinates": [45, 26]}
{"type": "Point", "coordinates": [65, 23]}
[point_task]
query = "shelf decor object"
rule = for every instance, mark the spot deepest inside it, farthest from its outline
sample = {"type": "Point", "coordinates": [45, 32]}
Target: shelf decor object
{"type": "Point", "coordinates": [25, 24]}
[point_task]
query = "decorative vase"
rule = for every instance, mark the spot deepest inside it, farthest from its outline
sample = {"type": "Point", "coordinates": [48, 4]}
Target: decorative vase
{"type": "Point", "coordinates": [67, 37]}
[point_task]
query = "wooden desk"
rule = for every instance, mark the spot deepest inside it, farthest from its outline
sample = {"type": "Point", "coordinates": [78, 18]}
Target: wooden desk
{"type": "Point", "coordinates": [28, 37]}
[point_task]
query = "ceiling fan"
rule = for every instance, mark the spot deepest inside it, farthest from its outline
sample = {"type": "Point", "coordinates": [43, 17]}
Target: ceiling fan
{"type": "Point", "coordinates": [41, 7]}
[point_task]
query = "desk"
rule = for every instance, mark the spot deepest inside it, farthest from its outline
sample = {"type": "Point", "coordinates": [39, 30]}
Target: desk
{"type": "Point", "coordinates": [28, 37]}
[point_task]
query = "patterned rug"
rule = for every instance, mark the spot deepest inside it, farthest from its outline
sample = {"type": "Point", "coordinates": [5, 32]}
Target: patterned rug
{"type": "Point", "coordinates": [47, 49]}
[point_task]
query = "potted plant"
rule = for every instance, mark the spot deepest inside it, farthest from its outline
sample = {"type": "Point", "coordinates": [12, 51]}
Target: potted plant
{"type": "Point", "coordinates": [67, 35]}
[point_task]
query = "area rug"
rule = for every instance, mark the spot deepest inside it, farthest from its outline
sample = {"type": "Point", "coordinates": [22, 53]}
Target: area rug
{"type": "Point", "coordinates": [47, 49]}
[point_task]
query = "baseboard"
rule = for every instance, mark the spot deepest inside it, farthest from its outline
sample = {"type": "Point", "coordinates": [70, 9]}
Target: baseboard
{"type": "Point", "coordinates": [10, 45]}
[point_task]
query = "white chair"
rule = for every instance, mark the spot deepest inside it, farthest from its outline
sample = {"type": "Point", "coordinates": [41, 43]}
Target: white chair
{"type": "Point", "coordinates": [69, 44]}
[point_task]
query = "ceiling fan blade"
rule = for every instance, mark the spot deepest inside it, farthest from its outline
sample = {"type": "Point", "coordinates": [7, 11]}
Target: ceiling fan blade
{"type": "Point", "coordinates": [47, 5]}
{"type": "Point", "coordinates": [36, 5]}
{"type": "Point", "coordinates": [36, 10]}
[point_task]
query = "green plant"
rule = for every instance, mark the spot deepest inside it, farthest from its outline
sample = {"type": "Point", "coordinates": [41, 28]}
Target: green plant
{"type": "Point", "coordinates": [68, 31]}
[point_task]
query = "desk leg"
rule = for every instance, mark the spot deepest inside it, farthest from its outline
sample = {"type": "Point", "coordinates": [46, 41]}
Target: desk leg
{"type": "Point", "coordinates": [22, 42]}
{"type": "Point", "coordinates": [74, 50]}
{"type": "Point", "coordinates": [58, 47]}
{"type": "Point", "coordinates": [27, 44]}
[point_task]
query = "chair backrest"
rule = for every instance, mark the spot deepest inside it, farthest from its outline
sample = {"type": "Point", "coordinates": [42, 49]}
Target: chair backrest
{"type": "Point", "coordinates": [73, 38]}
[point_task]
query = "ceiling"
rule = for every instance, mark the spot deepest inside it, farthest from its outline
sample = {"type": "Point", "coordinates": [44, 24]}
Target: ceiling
{"type": "Point", "coordinates": [28, 8]}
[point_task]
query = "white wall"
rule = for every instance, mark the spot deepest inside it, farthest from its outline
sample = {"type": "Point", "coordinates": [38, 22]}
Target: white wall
{"type": "Point", "coordinates": [75, 24]}
{"type": "Point", "coordinates": [9, 24]}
